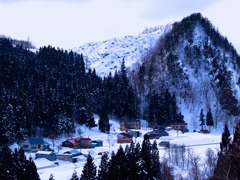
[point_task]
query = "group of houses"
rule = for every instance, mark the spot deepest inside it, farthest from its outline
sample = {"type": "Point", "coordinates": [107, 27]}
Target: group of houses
{"type": "Point", "coordinates": [130, 128]}
{"type": "Point", "coordinates": [43, 150]}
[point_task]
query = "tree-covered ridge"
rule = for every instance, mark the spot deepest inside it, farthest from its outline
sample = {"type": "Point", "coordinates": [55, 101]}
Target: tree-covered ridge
{"type": "Point", "coordinates": [192, 60]}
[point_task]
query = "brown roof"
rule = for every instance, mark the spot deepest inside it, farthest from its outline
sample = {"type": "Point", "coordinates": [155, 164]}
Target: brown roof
{"type": "Point", "coordinates": [178, 123]}
{"type": "Point", "coordinates": [81, 138]}
{"type": "Point", "coordinates": [126, 135]}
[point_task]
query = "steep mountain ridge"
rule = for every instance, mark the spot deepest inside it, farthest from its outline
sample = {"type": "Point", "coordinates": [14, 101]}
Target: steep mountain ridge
{"type": "Point", "coordinates": [197, 64]}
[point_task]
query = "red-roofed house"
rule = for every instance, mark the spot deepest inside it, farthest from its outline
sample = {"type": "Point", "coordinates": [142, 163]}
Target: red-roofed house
{"type": "Point", "coordinates": [72, 143]}
{"type": "Point", "coordinates": [84, 142]}
{"type": "Point", "coordinates": [124, 138]}
{"type": "Point", "coordinates": [77, 143]}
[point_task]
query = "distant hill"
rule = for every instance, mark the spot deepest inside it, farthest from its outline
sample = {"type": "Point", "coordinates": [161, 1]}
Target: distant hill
{"type": "Point", "coordinates": [23, 43]}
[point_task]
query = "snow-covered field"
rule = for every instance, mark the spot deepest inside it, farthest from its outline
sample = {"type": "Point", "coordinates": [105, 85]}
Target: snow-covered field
{"type": "Point", "coordinates": [65, 169]}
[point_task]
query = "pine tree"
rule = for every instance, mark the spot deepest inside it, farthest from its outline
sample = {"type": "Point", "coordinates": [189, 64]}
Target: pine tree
{"type": "Point", "coordinates": [51, 177]}
{"type": "Point", "coordinates": [7, 168]}
{"type": "Point", "coordinates": [209, 118]}
{"type": "Point", "coordinates": [146, 156]}
{"type": "Point", "coordinates": [224, 145]}
{"type": "Point", "coordinates": [235, 153]}
{"type": "Point", "coordinates": [103, 122]}
{"type": "Point", "coordinates": [89, 170]}
{"type": "Point", "coordinates": [156, 168]}
{"type": "Point", "coordinates": [142, 174]}
{"type": "Point", "coordinates": [201, 119]}
{"type": "Point", "coordinates": [103, 167]}
{"type": "Point", "coordinates": [133, 156]}
{"type": "Point", "coordinates": [31, 170]}
{"type": "Point", "coordinates": [228, 163]}
{"type": "Point", "coordinates": [90, 121]}
{"type": "Point", "coordinates": [74, 176]}
{"type": "Point", "coordinates": [113, 168]}
{"type": "Point", "coordinates": [122, 163]}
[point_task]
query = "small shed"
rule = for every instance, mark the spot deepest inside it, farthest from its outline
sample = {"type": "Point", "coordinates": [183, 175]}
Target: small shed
{"type": "Point", "coordinates": [50, 155]}
{"type": "Point", "coordinates": [182, 126]}
{"type": "Point", "coordinates": [33, 144]}
{"type": "Point", "coordinates": [98, 143]}
{"type": "Point", "coordinates": [124, 138]}
{"type": "Point", "coordinates": [204, 131]}
{"type": "Point", "coordinates": [164, 144]}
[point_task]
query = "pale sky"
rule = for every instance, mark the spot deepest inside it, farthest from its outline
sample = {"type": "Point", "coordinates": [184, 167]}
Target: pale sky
{"type": "Point", "coordinates": [71, 23]}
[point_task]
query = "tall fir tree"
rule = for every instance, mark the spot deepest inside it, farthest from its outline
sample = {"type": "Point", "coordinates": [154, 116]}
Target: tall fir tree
{"type": "Point", "coordinates": [103, 123]}
{"type": "Point", "coordinates": [74, 176]}
{"type": "Point", "coordinates": [156, 167]}
{"type": "Point", "coordinates": [202, 119]}
{"type": "Point", "coordinates": [228, 163]}
{"type": "Point", "coordinates": [89, 170]}
{"type": "Point", "coordinates": [113, 168]}
{"type": "Point", "coordinates": [224, 145]}
{"type": "Point", "coordinates": [103, 167]}
{"type": "Point", "coordinates": [121, 163]}
{"type": "Point", "coordinates": [146, 156]}
{"type": "Point", "coordinates": [209, 118]}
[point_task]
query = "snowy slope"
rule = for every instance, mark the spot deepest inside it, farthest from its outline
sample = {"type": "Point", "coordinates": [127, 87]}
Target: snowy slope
{"type": "Point", "coordinates": [107, 56]}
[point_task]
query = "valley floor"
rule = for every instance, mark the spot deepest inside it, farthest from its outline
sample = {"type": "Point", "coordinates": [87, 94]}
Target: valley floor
{"type": "Point", "coordinates": [198, 143]}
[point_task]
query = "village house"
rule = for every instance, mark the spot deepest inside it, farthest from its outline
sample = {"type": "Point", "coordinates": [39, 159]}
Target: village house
{"type": "Point", "coordinates": [50, 155]}
{"type": "Point", "coordinates": [124, 138]}
{"type": "Point", "coordinates": [72, 143]}
{"type": "Point", "coordinates": [157, 134]}
{"type": "Point", "coordinates": [134, 133]}
{"type": "Point", "coordinates": [77, 143]}
{"type": "Point", "coordinates": [71, 156]}
{"type": "Point", "coordinates": [84, 142]}
{"type": "Point", "coordinates": [33, 144]}
{"type": "Point", "coordinates": [179, 126]}
{"type": "Point", "coordinates": [130, 124]}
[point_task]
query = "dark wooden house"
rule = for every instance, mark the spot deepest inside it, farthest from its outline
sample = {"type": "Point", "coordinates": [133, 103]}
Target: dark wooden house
{"type": "Point", "coordinates": [124, 138]}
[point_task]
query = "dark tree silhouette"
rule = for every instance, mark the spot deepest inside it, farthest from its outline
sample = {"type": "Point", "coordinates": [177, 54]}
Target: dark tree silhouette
{"type": "Point", "coordinates": [89, 170]}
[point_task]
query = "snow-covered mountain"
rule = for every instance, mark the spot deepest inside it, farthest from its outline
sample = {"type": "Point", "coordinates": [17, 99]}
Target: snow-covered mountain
{"type": "Point", "coordinates": [107, 56]}
{"type": "Point", "coordinates": [190, 58]}
{"type": "Point", "coordinates": [196, 63]}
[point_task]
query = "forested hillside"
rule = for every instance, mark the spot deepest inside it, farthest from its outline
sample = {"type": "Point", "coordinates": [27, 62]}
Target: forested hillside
{"type": "Point", "coordinates": [47, 92]}
{"type": "Point", "coordinates": [196, 64]}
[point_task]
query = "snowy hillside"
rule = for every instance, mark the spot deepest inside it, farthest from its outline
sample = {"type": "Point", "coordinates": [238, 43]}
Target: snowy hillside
{"type": "Point", "coordinates": [107, 56]}
{"type": "Point", "coordinates": [197, 64]}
